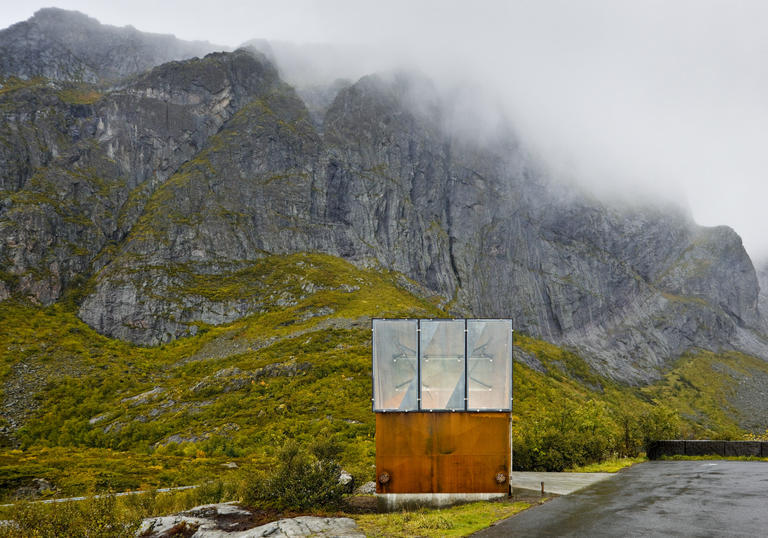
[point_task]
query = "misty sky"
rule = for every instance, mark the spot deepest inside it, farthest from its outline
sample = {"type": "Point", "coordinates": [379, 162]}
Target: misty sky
{"type": "Point", "coordinates": [658, 96]}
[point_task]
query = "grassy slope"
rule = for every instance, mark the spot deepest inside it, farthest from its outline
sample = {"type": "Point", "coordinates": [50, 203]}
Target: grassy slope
{"type": "Point", "coordinates": [220, 396]}
{"type": "Point", "coordinates": [104, 414]}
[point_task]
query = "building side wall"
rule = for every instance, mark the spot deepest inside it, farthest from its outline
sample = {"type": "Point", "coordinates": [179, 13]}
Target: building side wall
{"type": "Point", "coordinates": [442, 452]}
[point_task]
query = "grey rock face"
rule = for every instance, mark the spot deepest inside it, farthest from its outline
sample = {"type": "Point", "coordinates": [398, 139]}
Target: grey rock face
{"type": "Point", "coordinates": [762, 278]}
{"type": "Point", "coordinates": [68, 200]}
{"type": "Point", "coordinates": [196, 170]}
{"type": "Point", "coordinates": [66, 45]}
{"type": "Point", "coordinates": [629, 287]}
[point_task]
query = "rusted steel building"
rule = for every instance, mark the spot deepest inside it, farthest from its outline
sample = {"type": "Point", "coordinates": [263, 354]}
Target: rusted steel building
{"type": "Point", "coordinates": [442, 394]}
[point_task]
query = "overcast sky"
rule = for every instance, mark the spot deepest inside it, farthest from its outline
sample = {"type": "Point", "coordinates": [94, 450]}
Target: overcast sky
{"type": "Point", "coordinates": [668, 97]}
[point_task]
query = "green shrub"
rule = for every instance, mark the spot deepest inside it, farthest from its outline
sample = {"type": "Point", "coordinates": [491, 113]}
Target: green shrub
{"type": "Point", "coordinates": [563, 435]}
{"type": "Point", "coordinates": [302, 481]}
{"type": "Point", "coordinates": [659, 422]}
{"type": "Point", "coordinates": [216, 491]}
{"type": "Point", "coordinates": [567, 434]}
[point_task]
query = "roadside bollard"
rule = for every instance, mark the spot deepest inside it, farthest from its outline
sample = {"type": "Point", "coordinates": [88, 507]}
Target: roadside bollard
{"type": "Point", "coordinates": [542, 489]}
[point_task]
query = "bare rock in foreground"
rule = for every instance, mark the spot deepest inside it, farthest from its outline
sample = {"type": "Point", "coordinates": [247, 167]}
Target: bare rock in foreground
{"type": "Point", "coordinates": [227, 520]}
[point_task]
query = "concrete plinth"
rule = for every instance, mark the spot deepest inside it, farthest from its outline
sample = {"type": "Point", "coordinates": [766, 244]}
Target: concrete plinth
{"type": "Point", "coordinates": [388, 502]}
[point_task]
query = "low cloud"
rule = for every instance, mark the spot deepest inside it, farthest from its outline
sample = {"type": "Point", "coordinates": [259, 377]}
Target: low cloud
{"type": "Point", "coordinates": [665, 98]}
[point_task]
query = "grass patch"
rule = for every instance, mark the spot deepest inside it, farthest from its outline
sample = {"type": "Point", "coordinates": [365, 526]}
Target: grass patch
{"type": "Point", "coordinates": [459, 520]}
{"type": "Point", "coordinates": [79, 95]}
{"type": "Point", "coordinates": [11, 84]}
{"type": "Point", "coordinates": [78, 471]}
{"type": "Point", "coordinates": [611, 465]}
{"type": "Point", "coordinates": [108, 515]}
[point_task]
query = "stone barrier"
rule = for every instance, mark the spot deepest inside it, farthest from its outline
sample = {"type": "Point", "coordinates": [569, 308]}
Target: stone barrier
{"type": "Point", "coordinates": [659, 449]}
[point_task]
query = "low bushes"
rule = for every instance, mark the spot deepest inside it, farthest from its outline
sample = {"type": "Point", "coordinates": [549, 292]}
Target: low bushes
{"type": "Point", "coordinates": [567, 434]}
{"type": "Point", "coordinates": [95, 517]}
{"type": "Point", "coordinates": [303, 480]}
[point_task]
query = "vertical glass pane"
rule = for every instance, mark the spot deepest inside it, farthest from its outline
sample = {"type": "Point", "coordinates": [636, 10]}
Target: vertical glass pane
{"type": "Point", "coordinates": [442, 364]}
{"type": "Point", "coordinates": [395, 384]}
{"type": "Point", "coordinates": [489, 365]}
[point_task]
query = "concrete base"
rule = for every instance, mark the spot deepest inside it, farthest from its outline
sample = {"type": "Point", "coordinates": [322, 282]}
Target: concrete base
{"type": "Point", "coordinates": [388, 502]}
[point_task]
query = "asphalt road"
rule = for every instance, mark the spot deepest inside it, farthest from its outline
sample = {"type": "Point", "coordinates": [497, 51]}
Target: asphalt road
{"type": "Point", "coordinates": [658, 498]}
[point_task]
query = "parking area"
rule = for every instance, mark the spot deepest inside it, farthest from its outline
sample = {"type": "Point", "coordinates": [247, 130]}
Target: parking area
{"type": "Point", "coordinates": [657, 498]}
{"type": "Point", "coordinates": [558, 483]}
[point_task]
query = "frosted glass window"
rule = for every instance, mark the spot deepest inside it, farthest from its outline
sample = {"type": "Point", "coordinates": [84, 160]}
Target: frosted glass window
{"type": "Point", "coordinates": [489, 364]}
{"type": "Point", "coordinates": [395, 356]}
{"type": "Point", "coordinates": [442, 364]}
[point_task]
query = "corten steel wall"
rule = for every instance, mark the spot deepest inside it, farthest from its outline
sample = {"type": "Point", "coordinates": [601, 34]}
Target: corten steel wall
{"type": "Point", "coordinates": [442, 452]}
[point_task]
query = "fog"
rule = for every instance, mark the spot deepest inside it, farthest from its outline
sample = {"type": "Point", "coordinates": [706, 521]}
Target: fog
{"type": "Point", "coordinates": [663, 98]}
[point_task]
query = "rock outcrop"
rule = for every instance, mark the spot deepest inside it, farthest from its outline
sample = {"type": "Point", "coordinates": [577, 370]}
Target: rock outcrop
{"type": "Point", "coordinates": [228, 520]}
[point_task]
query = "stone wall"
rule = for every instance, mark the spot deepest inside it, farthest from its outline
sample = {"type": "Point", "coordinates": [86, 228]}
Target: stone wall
{"type": "Point", "coordinates": [659, 449]}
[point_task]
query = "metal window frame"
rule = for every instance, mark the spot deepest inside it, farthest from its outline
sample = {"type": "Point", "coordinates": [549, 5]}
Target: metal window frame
{"type": "Point", "coordinates": [466, 367]}
{"type": "Point", "coordinates": [511, 367]}
{"type": "Point", "coordinates": [422, 410]}
{"type": "Point", "coordinates": [373, 367]}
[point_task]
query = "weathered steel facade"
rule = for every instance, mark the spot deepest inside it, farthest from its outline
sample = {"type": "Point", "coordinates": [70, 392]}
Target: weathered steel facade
{"type": "Point", "coordinates": [442, 452]}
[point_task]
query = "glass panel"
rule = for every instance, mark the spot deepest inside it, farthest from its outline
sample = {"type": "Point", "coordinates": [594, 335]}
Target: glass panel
{"type": "Point", "coordinates": [442, 364]}
{"type": "Point", "coordinates": [489, 367]}
{"type": "Point", "coordinates": [395, 384]}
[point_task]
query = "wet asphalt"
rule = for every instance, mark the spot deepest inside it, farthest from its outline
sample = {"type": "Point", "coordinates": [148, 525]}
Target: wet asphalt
{"type": "Point", "coordinates": [657, 498]}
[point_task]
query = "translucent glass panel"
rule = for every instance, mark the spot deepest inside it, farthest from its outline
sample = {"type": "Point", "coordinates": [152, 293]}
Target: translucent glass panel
{"type": "Point", "coordinates": [489, 364]}
{"type": "Point", "coordinates": [395, 369]}
{"type": "Point", "coordinates": [442, 364]}
{"type": "Point", "coordinates": [435, 365]}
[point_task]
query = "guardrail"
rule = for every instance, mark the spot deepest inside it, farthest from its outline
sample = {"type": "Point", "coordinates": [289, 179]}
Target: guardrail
{"type": "Point", "coordinates": [99, 496]}
{"type": "Point", "coordinates": [659, 449]}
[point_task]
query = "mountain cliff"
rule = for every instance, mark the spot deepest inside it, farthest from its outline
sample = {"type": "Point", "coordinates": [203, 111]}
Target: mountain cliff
{"type": "Point", "coordinates": [150, 204]}
{"type": "Point", "coordinates": [67, 45]}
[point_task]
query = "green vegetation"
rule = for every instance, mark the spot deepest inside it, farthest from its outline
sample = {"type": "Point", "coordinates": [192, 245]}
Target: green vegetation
{"type": "Point", "coordinates": [231, 393]}
{"type": "Point", "coordinates": [571, 417]}
{"type": "Point", "coordinates": [302, 480]}
{"type": "Point", "coordinates": [96, 517]}
{"type": "Point", "coordinates": [100, 415]}
{"type": "Point", "coordinates": [80, 94]}
{"type": "Point", "coordinates": [701, 388]}
{"type": "Point", "coordinates": [11, 84]}
{"type": "Point", "coordinates": [611, 465]}
{"type": "Point", "coordinates": [77, 471]}
{"type": "Point", "coordinates": [454, 521]}
{"type": "Point", "coordinates": [107, 515]}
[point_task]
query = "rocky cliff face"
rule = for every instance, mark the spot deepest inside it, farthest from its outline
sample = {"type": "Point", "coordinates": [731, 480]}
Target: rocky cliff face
{"type": "Point", "coordinates": [86, 171]}
{"type": "Point", "coordinates": [67, 45]}
{"type": "Point", "coordinates": [762, 278]}
{"type": "Point", "coordinates": [196, 169]}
